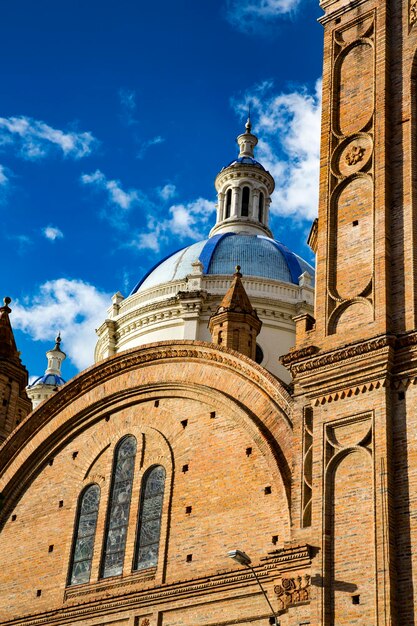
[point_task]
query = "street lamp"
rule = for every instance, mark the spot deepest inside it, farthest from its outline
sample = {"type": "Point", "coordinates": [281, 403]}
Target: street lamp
{"type": "Point", "coordinates": [243, 559]}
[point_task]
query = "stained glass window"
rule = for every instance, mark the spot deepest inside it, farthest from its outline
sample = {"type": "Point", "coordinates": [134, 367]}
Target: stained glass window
{"type": "Point", "coordinates": [149, 528]}
{"type": "Point", "coordinates": [85, 531]}
{"type": "Point", "coordinates": [119, 508]}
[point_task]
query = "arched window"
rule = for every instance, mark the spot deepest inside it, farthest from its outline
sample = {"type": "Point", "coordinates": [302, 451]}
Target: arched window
{"type": "Point", "coordinates": [150, 513]}
{"type": "Point", "coordinates": [261, 207]}
{"type": "Point", "coordinates": [119, 508]}
{"type": "Point", "coordinates": [245, 202]}
{"type": "Point", "coordinates": [228, 204]}
{"type": "Point", "coordinates": [236, 339]}
{"type": "Point", "coordinates": [84, 534]}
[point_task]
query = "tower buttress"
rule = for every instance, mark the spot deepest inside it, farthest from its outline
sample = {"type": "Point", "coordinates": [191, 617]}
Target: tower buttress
{"type": "Point", "coordinates": [14, 403]}
{"type": "Point", "coordinates": [346, 409]}
{"type": "Point", "coordinates": [236, 324]}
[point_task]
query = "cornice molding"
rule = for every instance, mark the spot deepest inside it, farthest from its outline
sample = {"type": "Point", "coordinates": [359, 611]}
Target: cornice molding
{"type": "Point", "coordinates": [145, 597]}
{"type": "Point", "coordinates": [298, 355]}
{"type": "Point", "coordinates": [332, 357]}
{"type": "Point", "coordinates": [332, 15]}
{"type": "Point", "coordinates": [271, 567]}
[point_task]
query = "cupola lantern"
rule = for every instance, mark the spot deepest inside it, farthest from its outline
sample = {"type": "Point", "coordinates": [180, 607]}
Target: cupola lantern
{"type": "Point", "coordinates": [244, 189]}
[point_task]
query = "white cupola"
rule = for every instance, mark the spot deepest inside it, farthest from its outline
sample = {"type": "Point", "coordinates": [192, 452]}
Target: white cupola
{"type": "Point", "coordinates": [244, 191]}
{"type": "Point", "coordinates": [45, 386]}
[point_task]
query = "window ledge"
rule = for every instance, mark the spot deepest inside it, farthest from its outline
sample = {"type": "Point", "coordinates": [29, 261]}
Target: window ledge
{"type": "Point", "coordinates": [103, 586]}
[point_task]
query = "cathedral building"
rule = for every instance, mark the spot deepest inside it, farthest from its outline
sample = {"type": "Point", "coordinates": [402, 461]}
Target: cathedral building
{"type": "Point", "coordinates": [188, 478]}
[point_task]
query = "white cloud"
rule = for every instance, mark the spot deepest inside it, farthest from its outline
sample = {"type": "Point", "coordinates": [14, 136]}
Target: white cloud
{"type": "Point", "coordinates": [35, 139]}
{"type": "Point", "coordinates": [167, 191]}
{"type": "Point", "coordinates": [22, 242]}
{"type": "Point", "coordinates": [288, 125]}
{"type": "Point", "coordinates": [186, 221]}
{"type": "Point", "coordinates": [3, 178]}
{"type": "Point", "coordinates": [71, 306]}
{"type": "Point", "coordinates": [52, 233]}
{"type": "Point", "coordinates": [147, 144]}
{"type": "Point", "coordinates": [115, 194]}
{"type": "Point", "coordinates": [250, 14]}
{"type": "Point", "coordinates": [128, 105]}
{"type": "Point", "coordinates": [150, 240]}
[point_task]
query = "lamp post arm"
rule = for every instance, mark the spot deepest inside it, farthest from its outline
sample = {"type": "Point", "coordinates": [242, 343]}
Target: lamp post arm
{"type": "Point", "coordinates": [265, 594]}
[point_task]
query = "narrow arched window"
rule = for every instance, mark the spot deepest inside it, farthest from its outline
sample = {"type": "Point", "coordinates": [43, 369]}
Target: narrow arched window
{"type": "Point", "coordinates": [84, 534]}
{"type": "Point", "coordinates": [236, 339]}
{"type": "Point", "coordinates": [119, 508]}
{"type": "Point", "coordinates": [150, 514]}
{"type": "Point", "coordinates": [245, 201]}
{"type": "Point", "coordinates": [261, 207]}
{"type": "Point", "coordinates": [228, 204]}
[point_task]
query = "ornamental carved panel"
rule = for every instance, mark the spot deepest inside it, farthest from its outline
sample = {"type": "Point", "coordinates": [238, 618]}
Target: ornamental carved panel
{"type": "Point", "coordinates": [412, 12]}
{"type": "Point", "coordinates": [351, 184]}
{"type": "Point", "coordinates": [292, 591]}
{"type": "Point", "coordinates": [349, 548]}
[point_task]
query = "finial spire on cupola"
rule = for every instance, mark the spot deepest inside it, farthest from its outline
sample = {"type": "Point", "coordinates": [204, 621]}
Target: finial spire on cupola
{"type": "Point", "coordinates": [247, 141]}
{"type": "Point", "coordinates": [55, 358]}
{"type": "Point", "coordinates": [248, 124]}
{"type": "Point", "coordinates": [244, 190]}
{"type": "Point", "coordinates": [236, 324]}
{"type": "Point", "coordinates": [45, 386]}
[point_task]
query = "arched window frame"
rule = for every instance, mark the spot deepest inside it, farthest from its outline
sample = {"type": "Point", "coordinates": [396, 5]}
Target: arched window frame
{"type": "Point", "coordinates": [106, 569]}
{"type": "Point", "coordinates": [76, 536]}
{"type": "Point", "coordinates": [261, 207]}
{"type": "Point", "coordinates": [236, 339]}
{"type": "Point", "coordinates": [139, 565]}
{"type": "Point", "coordinates": [245, 201]}
{"type": "Point", "coordinates": [228, 204]}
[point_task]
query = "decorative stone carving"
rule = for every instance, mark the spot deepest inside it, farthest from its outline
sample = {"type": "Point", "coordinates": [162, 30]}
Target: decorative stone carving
{"type": "Point", "coordinates": [413, 12]}
{"type": "Point", "coordinates": [145, 622]}
{"type": "Point", "coordinates": [298, 355]}
{"type": "Point", "coordinates": [354, 155]}
{"type": "Point", "coordinates": [331, 357]}
{"type": "Point", "coordinates": [292, 591]}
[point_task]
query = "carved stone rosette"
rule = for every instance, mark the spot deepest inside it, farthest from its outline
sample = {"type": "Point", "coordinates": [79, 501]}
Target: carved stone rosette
{"type": "Point", "coordinates": [293, 590]}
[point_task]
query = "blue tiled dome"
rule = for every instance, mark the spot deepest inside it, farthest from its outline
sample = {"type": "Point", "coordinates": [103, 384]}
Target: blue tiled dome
{"type": "Point", "coordinates": [246, 160]}
{"type": "Point", "coordinates": [257, 255]}
{"type": "Point", "coordinates": [48, 379]}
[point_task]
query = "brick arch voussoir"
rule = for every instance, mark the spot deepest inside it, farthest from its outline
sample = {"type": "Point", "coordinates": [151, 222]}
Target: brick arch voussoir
{"type": "Point", "coordinates": [222, 373]}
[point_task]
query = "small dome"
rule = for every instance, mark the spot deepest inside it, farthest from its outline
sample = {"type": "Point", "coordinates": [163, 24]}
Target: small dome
{"type": "Point", "coordinates": [257, 255]}
{"type": "Point", "coordinates": [246, 160]}
{"type": "Point", "coordinates": [48, 379]}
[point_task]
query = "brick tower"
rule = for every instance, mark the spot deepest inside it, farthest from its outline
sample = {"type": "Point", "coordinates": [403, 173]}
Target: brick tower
{"type": "Point", "coordinates": [14, 403]}
{"type": "Point", "coordinates": [236, 324]}
{"type": "Point", "coordinates": [354, 365]}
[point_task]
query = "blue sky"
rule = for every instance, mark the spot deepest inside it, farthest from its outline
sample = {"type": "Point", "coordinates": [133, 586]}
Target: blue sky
{"type": "Point", "coordinates": [115, 118]}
